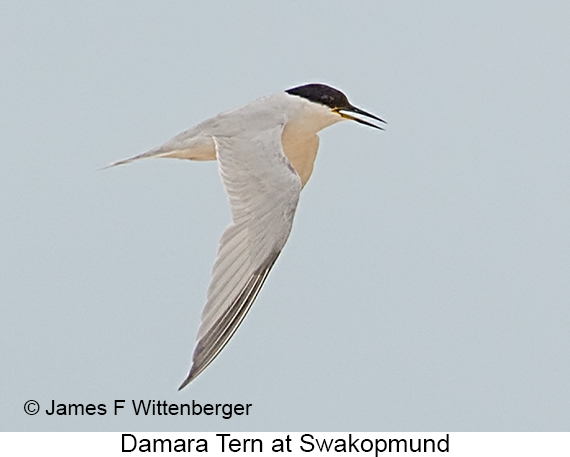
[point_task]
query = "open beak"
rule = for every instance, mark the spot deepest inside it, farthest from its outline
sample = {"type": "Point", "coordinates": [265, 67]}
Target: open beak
{"type": "Point", "coordinates": [344, 112]}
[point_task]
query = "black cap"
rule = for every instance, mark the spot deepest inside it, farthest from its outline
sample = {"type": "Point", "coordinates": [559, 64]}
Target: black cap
{"type": "Point", "coordinates": [323, 94]}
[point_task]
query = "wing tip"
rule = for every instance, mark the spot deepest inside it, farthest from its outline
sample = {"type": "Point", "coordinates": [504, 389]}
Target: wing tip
{"type": "Point", "coordinates": [209, 347]}
{"type": "Point", "coordinates": [187, 381]}
{"type": "Point", "coordinates": [194, 372]}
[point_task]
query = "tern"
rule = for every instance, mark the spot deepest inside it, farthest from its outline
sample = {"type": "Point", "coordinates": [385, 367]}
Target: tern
{"type": "Point", "coordinates": [265, 152]}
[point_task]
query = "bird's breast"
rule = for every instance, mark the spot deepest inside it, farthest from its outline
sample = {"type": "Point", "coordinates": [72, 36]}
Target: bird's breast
{"type": "Point", "coordinates": [301, 150]}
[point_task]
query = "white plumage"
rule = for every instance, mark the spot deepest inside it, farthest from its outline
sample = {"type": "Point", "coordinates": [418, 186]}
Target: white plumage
{"type": "Point", "coordinates": [265, 152]}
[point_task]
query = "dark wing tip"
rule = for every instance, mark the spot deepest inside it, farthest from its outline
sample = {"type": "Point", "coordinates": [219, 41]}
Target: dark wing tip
{"type": "Point", "coordinates": [191, 376]}
{"type": "Point", "coordinates": [216, 339]}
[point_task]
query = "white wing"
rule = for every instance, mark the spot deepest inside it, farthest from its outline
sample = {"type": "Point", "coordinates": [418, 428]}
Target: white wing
{"type": "Point", "coordinates": [263, 190]}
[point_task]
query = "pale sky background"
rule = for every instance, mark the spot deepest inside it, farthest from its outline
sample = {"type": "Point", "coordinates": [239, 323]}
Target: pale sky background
{"type": "Point", "coordinates": [426, 283]}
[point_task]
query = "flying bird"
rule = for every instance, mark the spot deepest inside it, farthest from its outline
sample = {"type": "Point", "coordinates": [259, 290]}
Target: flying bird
{"type": "Point", "coordinates": [265, 152]}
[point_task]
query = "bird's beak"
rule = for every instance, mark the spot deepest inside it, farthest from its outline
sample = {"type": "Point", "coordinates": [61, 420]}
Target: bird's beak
{"type": "Point", "coordinates": [344, 112]}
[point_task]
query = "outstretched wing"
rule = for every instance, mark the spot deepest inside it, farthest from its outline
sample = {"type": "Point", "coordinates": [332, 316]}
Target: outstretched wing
{"type": "Point", "coordinates": [263, 190]}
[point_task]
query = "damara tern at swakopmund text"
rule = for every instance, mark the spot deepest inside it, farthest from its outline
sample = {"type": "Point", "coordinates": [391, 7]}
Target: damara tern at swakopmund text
{"type": "Point", "coordinates": [265, 152]}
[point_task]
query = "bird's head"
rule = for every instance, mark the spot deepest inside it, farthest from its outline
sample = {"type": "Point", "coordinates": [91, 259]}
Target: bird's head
{"type": "Point", "coordinates": [336, 101]}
